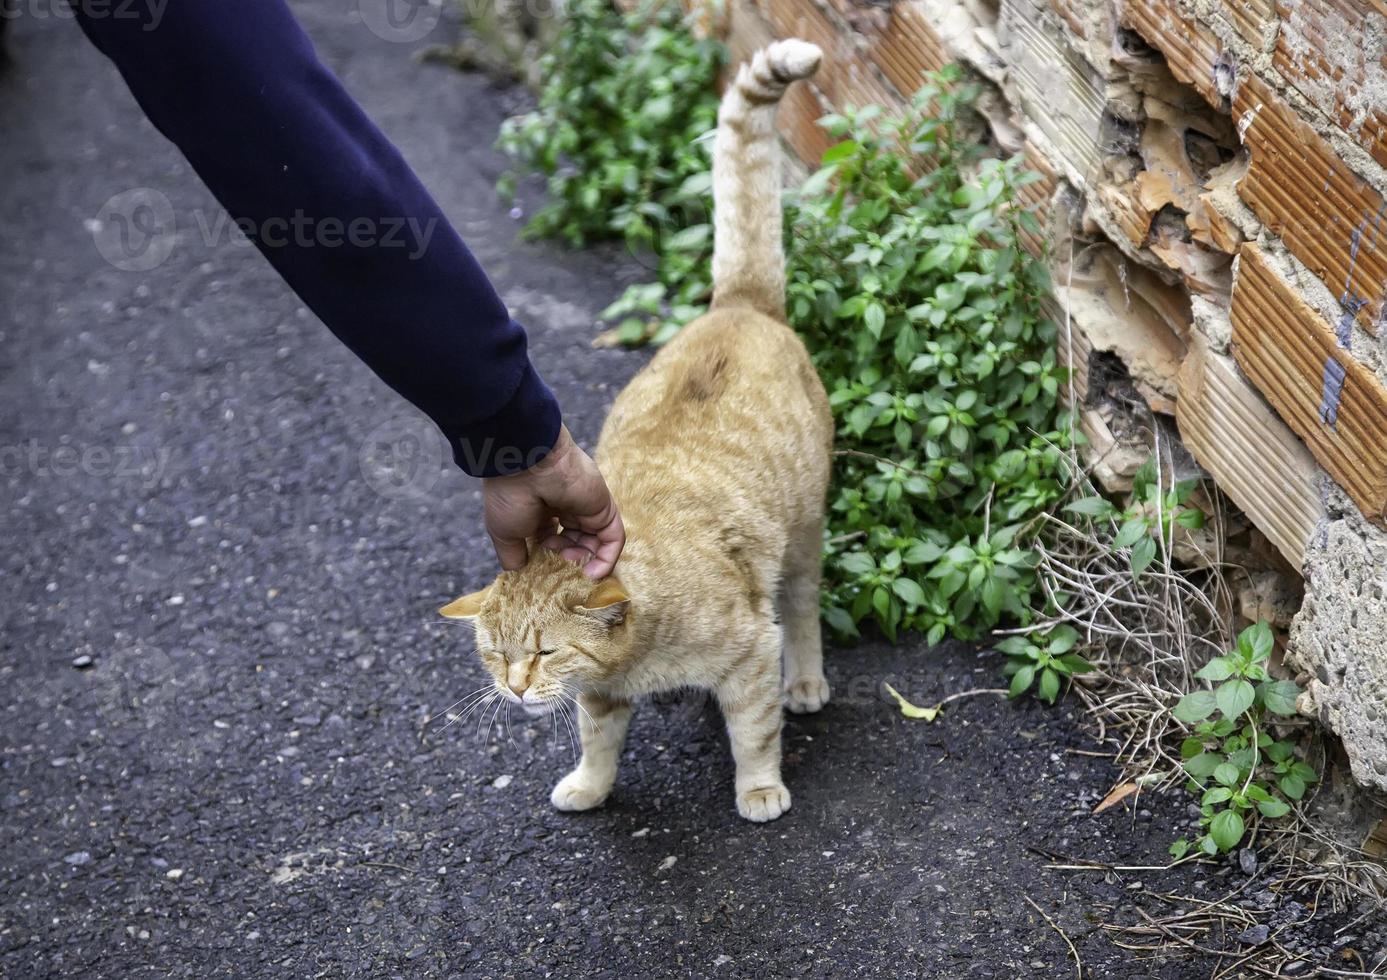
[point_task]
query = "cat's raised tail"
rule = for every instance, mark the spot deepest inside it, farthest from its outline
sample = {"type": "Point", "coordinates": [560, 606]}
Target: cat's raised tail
{"type": "Point", "coordinates": [748, 256]}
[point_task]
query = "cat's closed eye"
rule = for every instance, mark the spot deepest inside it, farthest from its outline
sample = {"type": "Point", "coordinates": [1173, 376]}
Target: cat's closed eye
{"type": "Point", "coordinates": [545, 653]}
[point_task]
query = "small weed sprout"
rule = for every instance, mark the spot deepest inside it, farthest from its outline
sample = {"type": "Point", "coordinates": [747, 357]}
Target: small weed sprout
{"type": "Point", "coordinates": [1235, 764]}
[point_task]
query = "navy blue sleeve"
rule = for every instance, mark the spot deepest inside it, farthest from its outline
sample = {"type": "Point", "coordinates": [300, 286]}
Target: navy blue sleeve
{"type": "Point", "coordinates": [237, 87]}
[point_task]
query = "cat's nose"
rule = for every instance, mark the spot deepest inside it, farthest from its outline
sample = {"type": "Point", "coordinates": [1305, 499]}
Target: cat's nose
{"type": "Point", "coordinates": [519, 690]}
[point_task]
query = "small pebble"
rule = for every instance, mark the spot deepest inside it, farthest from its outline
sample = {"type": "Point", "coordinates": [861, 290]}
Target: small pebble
{"type": "Point", "coordinates": [173, 874]}
{"type": "Point", "coordinates": [667, 863]}
{"type": "Point", "coordinates": [1254, 935]}
{"type": "Point", "coordinates": [78, 857]}
{"type": "Point", "coordinates": [501, 782]}
{"type": "Point", "coordinates": [82, 662]}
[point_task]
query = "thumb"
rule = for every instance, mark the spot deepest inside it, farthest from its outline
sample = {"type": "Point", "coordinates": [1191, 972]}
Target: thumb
{"type": "Point", "coordinates": [511, 552]}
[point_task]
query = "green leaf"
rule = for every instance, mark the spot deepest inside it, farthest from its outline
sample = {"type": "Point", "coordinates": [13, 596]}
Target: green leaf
{"type": "Point", "coordinates": [1292, 786]}
{"type": "Point", "coordinates": [1226, 830]}
{"type": "Point", "coordinates": [1021, 681]}
{"type": "Point", "coordinates": [1131, 532]}
{"type": "Point", "coordinates": [874, 318]}
{"type": "Point", "coordinates": [1062, 639]}
{"type": "Point", "coordinates": [1226, 773]}
{"type": "Point", "coordinates": [840, 620]}
{"type": "Point", "coordinates": [1049, 687]}
{"type": "Point", "coordinates": [1091, 507]}
{"type": "Point", "coordinates": [1280, 697]}
{"type": "Point", "coordinates": [1217, 669]}
{"type": "Point", "coordinates": [922, 552]}
{"type": "Point", "coordinates": [1202, 766]}
{"type": "Point", "coordinates": [693, 237]}
{"type": "Point", "coordinates": [1273, 808]}
{"type": "Point", "coordinates": [1143, 553]}
{"type": "Point", "coordinates": [909, 590]}
{"type": "Point", "coordinates": [1258, 638]}
{"type": "Point", "coordinates": [1191, 517]}
{"type": "Point", "coordinates": [1234, 697]}
{"type": "Point", "coordinates": [1195, 707]}
{"type": "Point", "coordinates": [857, 563]}
{"type": "Point", "coordinates": [1075, 664]}
{"type": "Point", "coordinates": [839, 152]}
{"type": "Point", "coordinates": [1305, 771]}
{"type": "Point", "coordinates": [818, 182]}
{"type": "Point", "coordinates": [911, 710]}
{"type": "Point", "coordinates": [1180, 848]}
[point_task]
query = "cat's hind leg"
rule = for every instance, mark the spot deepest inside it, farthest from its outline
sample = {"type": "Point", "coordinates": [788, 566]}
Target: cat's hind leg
{"type": "Point", "coordinates": [805, 687]}
{"type": "Point", "coordinates": [602, 724]}
{"type": "Point", "coordinates": [749, 695]}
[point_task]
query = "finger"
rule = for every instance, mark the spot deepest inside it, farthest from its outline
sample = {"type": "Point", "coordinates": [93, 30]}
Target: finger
{"type": "Point", "coordinates": [588, 541]}
{"type": "Point", "coordinates": [568, 549]}
{"type": "Point", "coordinates": [556, 542]}
{"type": "Point", "coordinates": [579, 556]}
{"type": "Point", "coordinates": [610, 540]}
{"type": "Point", "coordinates": [511, 552]}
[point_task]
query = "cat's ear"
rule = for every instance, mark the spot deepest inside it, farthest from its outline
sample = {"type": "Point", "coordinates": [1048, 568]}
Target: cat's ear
{"type": "Point", "coordinates": [468, 607]}
{"type": "Point", "coordinates": [608, 603]}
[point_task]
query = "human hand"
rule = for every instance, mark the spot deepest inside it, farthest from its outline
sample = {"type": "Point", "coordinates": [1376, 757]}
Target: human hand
{"type": "Point", "coordinates": [564, 488]}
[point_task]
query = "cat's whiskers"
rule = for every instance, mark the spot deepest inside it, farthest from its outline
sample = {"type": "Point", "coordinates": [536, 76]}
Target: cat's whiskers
{"type": "Point", "coordinates": [483, 698]}
{"type": "Point", "coordinates": [466, 697]}
{"type": "Point", "coordinates": [597, 729]}
{"type": "Point", "coordinates": [569, 694]}
{"type": "Point", "coordinates": [562, 710]}
{"type": "Point", "coordinates": [497, 701]}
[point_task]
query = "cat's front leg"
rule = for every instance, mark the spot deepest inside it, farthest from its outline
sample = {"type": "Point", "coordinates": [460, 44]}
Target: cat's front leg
{"type": "Point", "coordinates": [750, 700]}
{"type": "Point", "coordinates": [602, 724]}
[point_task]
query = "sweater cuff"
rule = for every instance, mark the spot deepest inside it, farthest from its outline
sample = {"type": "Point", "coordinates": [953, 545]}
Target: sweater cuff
{"type": "Point", "coordinates": [515, 438]}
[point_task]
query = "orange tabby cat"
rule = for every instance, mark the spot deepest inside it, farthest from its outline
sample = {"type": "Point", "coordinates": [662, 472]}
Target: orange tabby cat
{"type": "Point", "coordinates": [718, 453]}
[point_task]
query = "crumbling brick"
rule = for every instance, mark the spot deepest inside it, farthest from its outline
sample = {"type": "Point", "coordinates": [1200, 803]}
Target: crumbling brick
{"type": "Point", "coordinates": [1329, 217]}
{"type": "Point", "coordinates": [1255, 457]}
{"type": "Point", "coordinates": [1331, 401]}
{"type": "Point", "coordinates": [1191, 50]}
{"type": "Point", "coordinates": [1333, 52]}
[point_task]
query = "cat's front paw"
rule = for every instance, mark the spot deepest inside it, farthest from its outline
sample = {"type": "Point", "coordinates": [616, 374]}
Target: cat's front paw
{"type": "Point", "coordinates": [763, 803]}
{"type": "Point", "coordinates": [576, 792]}
{"type": "Point", "coordinates": [806, 694]}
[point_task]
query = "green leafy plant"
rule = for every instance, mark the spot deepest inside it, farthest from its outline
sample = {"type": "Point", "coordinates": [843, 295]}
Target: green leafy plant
{"type": "Point", "coordinates": [1149, 519]}
{"type": "Point", "coordinates": [617, 134]}
{"type": "Point", "coordinates": [922, 313]}
{"type": "Point", "coordinates": [920, 308]}
{"type": "Point", "coordinates": [1044, 660]}
{"type": "Point", "coordinates": [1239, 769]}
